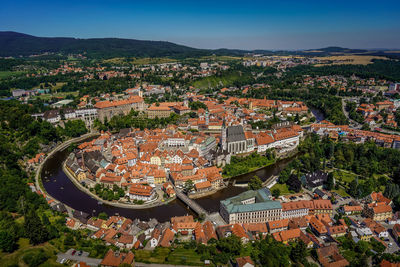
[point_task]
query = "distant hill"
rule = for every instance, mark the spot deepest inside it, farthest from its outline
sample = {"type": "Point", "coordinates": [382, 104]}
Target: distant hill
{"type": "Point", "coordinates": [19, 44]}
{"type": "Point", "coordinates": [334, 49]}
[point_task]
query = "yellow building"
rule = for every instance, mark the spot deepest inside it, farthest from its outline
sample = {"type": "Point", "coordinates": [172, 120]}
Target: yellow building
{"type": "Point", "coordinates": [81, 176]}
{"type": "Point", "coordinates": [364, 234]}
{"type": "Point", "coordinates": [160, 177]}
{"type": "Point", "coordinates": [158, 111]}
{"type": "Point", "coordinates": [217, 126]}
{"type": "Point", "coordinates": [378, 211]}
{"type": "Point", "coordinates": [322, 206]}
{"type": "Point", "coordinates": [156, 160]}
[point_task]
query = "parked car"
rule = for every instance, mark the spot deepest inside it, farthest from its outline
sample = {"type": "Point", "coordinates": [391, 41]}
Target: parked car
{"type": "Point", "coordinates": [73, 252]}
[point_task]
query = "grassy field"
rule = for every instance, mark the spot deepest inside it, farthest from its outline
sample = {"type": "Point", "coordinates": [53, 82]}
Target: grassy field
{"type": "Point", "coordinates": [15, 258]}
{"type": "Point", "coordinates": [282, 188]}
{"type": "Point", "coordinates": [160, 60]}
{"type": "Point", "coordinates": [53, 88]}
{"type": "Point", "coordinates": [343, 176]}
{"type": "Point", "coordinates": [220, 58]}
{"type": "Point", "coordinates": [177, 256]}
{"type": "Point", "coordinates": [7, 74]}
{"type": "Point", "coordinates": [341, 192]}
{"type": "Point", "coordinates": [62, 94]}
{"type": "Point", "coordinates": [213, 81]}
{"type": "Point", "coordinates": [156, 60]}
{"type": "Point", "coordinates": [57, 86]}
{"type": "Point", "coordinates": [349, 60]}
{"type": "Point", "coordinates": [140, 61]}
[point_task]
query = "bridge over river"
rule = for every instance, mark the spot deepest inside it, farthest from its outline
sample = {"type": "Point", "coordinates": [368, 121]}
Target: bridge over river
{"type": "Point", "coordinates": [214, 217]}
{"type": "Point", "coordinates": [190, 203]}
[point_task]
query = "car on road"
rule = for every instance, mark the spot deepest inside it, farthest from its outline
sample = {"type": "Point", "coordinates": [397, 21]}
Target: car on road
{"type": "Point", "coordinates": [80, 253]}
{"type": "Point", "coordinates": [73, 252]}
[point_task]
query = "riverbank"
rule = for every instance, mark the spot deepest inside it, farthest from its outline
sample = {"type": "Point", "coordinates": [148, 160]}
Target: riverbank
{"type": "Point", "coordinates": [60, 187]}
{"type": "Point", "coordinates": [64, 145]}
{"type": "Point", "coordinates": [208, 193]}
{"type": "Point", "coordinates": [60, 147]}
{"type": "Point", "coordinates": [251, 170]}
{"type": "Point", "coordinates": [152, 204]}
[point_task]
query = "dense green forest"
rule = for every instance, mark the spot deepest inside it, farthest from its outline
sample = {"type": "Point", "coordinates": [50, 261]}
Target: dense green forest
{"type": "Point", "coordinates": [380, 69]}
{"type": "Point", "coordinates": [22, 137]}
{"type": "Point", "coordinates": [16, 44]}
{"type": "Point", "coordinates": [371, 167]}
{"type": "Point", "coordinates": [17, 129]}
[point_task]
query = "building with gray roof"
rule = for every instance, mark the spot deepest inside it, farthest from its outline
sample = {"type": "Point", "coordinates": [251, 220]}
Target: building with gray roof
{"type": "Point", "coordinates": [253, 206]}
{"type": "Point", "coordinates": [235, 139]}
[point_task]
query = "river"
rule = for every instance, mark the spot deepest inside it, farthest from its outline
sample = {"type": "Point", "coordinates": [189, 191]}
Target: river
{"type": "Point", "coordinates": [60, 187]}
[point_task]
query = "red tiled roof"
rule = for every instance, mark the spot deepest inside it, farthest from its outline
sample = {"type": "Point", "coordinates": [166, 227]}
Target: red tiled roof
{"type": "Point", "coordinates": [115, 258]}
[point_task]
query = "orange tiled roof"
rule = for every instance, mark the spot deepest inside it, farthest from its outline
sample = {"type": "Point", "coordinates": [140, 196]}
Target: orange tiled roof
{"type": "Point", "coordinates": [139, 189]}
{"type": "Point", "coordinates": [287, 235]}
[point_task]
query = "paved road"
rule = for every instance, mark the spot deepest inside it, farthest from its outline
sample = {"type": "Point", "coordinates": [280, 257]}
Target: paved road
{"type": "Point", "coordinates": [353, 123]}
{"type": "Point", "coordinates": [215, 218]}
{"type": "Point", "coordinates": [395, 247]}
{"type": "Point", "coordinates": [86, 259]}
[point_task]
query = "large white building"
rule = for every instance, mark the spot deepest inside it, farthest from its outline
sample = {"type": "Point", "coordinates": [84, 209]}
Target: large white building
{"type": "Point", "coordinates": [295, 209]}
{"type": "Point", "coordinates": [88, 115]}
{"type": "Point", "coordinates": [251, 207]}
{"type": "Point", "coordinates": [141, 192]}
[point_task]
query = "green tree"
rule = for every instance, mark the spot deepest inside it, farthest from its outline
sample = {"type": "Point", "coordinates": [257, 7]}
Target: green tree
{"type": "Point", "coordinates": [188, 186]}
{"type": "Point", "coordinates": [69, 240]}
{"type": "Point", "coordinates": [35, 258]}
{"type": "Point", "coordinates": [195, 105]}
{"type": "Point", "coordinates": [330, 182]}
{"type": "Point", "coordinates": [353, 188]}
{"type": "Point", "coordinates": [34, 229]}
{"type": "Point", "coordinates": [8, 242]}
{"type": "Point", "coordinates": [255, 183]}
{"type": "Point", "coordinates": [231, 245]}
{"type": "Point", "coordinates": [272, 253]}
{"type": "Point", "coordinates": [276, 192]}
{"type": "Point", "coordinates": [298, 252]}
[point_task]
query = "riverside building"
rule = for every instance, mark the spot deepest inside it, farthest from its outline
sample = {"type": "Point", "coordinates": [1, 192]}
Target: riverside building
{"type": "Point", "coordinates": [253, 206]}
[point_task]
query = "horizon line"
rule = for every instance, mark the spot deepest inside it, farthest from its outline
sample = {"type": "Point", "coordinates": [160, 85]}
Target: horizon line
{"type": "Point", "coordinates": [220, 48]}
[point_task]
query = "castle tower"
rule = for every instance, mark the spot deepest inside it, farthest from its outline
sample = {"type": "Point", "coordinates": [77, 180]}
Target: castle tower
{"type": "Point", "coordinates": [223, 135]}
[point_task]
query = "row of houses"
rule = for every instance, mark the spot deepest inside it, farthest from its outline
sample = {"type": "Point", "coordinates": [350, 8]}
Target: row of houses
{"type": "Point", "coordinates": [326, 128]}
{"type": "Point", "coordinates": [258, 207]}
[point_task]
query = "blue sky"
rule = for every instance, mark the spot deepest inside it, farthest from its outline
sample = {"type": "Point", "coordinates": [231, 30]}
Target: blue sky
{"type": "Point", "coordinates": [285, 24]}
